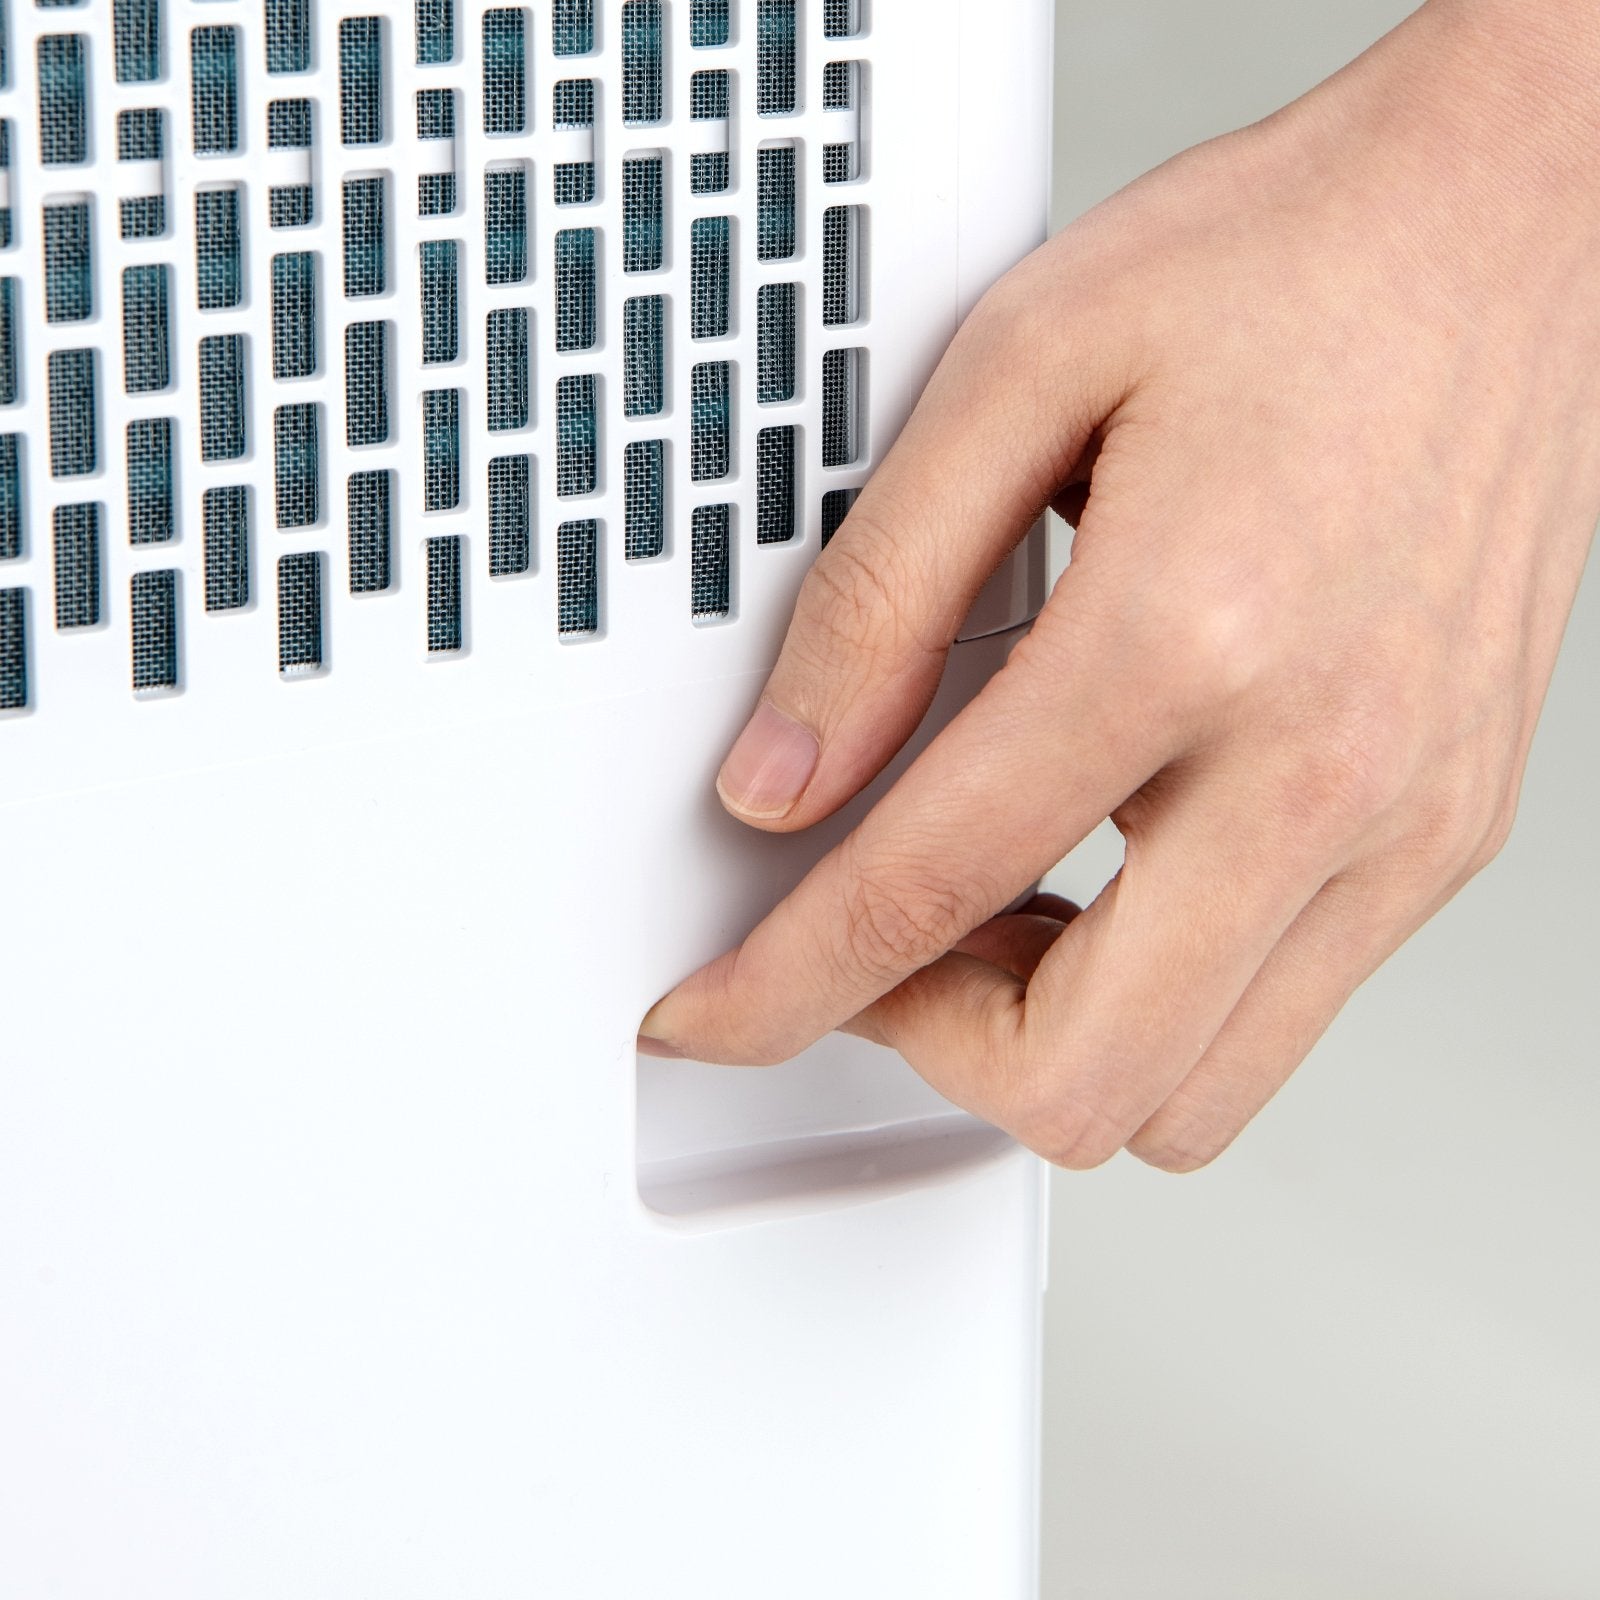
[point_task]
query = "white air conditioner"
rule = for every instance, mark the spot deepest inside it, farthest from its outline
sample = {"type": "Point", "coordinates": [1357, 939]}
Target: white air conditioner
{"type": "Point", "coordinates": [414, 426]}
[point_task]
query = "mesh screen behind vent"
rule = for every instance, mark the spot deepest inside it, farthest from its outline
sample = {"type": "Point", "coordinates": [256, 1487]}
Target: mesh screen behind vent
{"type": "Point", "coordinates": [396, 406]}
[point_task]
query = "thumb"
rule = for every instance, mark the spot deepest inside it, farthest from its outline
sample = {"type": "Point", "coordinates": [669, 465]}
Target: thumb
{"type": "Point", "coordinates": [1005, 421]}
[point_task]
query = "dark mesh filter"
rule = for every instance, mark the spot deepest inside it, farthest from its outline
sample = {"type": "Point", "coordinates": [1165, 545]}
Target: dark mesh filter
{"type": "Point", "coordinates": [838, 85]}
{"type": "Point", "coordinates": [839, 163]}
{"type": "Point", "coordinates": [709, 421]}
{"type": "Point", "coordinates": [510, 516]}
{"type": "Point", "coordinates": [444, 593]}
{"type": "Point", "coordinates": [436, 194]}
{"type": "Point", "coordinates": [642, 230]}
{"type": "Point", "coordinates": [297, 468]}
{"type": "Point", "coordinates": [776, 342]}
{"type": "Point", "coordinates": [505, 224]}
{"type": "Point", "coordinates": [366, 383]}
{"type": "Point", "coordinates": [710, 285]}
{"type": "Point", "coordinates": [840, 18]}
{"type": "Point", "coordinates": [288, 35]}
{"type": "Point", "coordinates": [289, 124]}
{"type": "Point", "coordinates": [294, 315]}
{"type": "Point", "coordinates": [577, 435]}
{"type": "Point", "coordinates": [505, 71]}
{"type": "Point", "coordinates": [77, 565]}
{"type": "Point", "coordinates": [8, 341]}
{"type": "Point", "coordinates": [644, 474]}
{"type": "Point", "coordinates": [218, 249]}
{"type": "Point", "coordinates": [709, 171]}
{"type": "Point", "coordinates": [155, 629]}
{"type": "Point", "coordinates": [68, 291]}
{"type": "Point", "coordinates": [572, 183]}
{"type": "Point", "coordinates": [142, 216]}
{"type": "Point", "coordinates": [290, 205]}
{"type": "Point", "coordinates": [13, 649]}
{"type": "Point", "coordinates": [708, 22]}
{"type": "Point", "coordinates": [572, 106]}
{"type": "Point", "coordinates": [775, 485]}
{"type": "Point", "coordinates": [299, 613]}
{"type": "Point", "coordinates": [146, 342]}
{"type": "Point", "coordinates": [641, 61]}
{"type": "Point", "coordinates": [436, 114]}
{"type": "Point", "coordinates": [141, 135]}
{"type": "Point", "coordinates": [506, 357]}
{"type": "Point", "coordinates": [361, 80]}
{"type": "Point", "coordinates": [775, 57]}
{"type": "Point", "coordinates": [578, 576]}
{"type": "Point", "coordinates": [136, 40]}
{"type": "Point", "coordinates": [572, 27]}
{"type": "Point", "coordinates": [440, 306]}
{"type": "Point", "coordinates": [710, 561]}
{"type": "Point", "coordinates": [365, 255]}
{"type": "Point", "coordinates": [368, 503]}
{"type": "Point", "coordinates": [63, 102]}
{"type": "Point", "coordinates": [5, 166]}
{"type": "Point", "coordinates": [575, 289]}
{"type": "Point", "coordinates": [225, 522]}
{"type": "Point", "coordinates": [214, 96]}
{"type": "Point", "coordinates": [73, 448]}
{"type": "Point", "coordinates": [840, 254]}
{"type": "Point", "coordinates": [644, 350]}
{"type": "Point", "coordinates": [222, 358]}
{"type": "Point", "coordinates": [709, 102]}
{"type": "Point", "coordinates": [775, 199]}
{"type": "Point", "coordinates": [10, 496]}
{"type": "Point", "coordinates": [839, 383]}
{"type": "Point", "coordinates": [150, 480]}
{"type": "Point", "coordinates": [441, 448]}
{"type": "Point", "coordinates": [436, 31]}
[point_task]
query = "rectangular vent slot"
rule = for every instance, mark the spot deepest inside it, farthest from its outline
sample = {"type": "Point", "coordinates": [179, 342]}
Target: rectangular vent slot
{"type": "Point", "coordinates": [288, 35]}
{"type": "Point", "coordinates": [150, 480]}
{"type": "Point", "coordinates": [365, 261]}
{"type": "Point", "coordinates": [436, 194]}
{"type": "Point", "coordinates": [505, 224]}
{"type": "Point", "coordinates": [214, 64]}
{"type": "Point", "coordinates": [841, 381]}
{"type": "Point", "coordinates": [136, 40]}
{"type": "Point", "coordinates": [436, 114]}
{"type": "Point", "coordinates": [644, 471]}
{"type": "Point", "coordinates": [710, 274]}
{"type": "Point", "coordinates": [73, 449]}
{"type": "Point", "coordinates": [709, 101]}
{"type": "Point", "coordinates": [710, 562]}
{"type": "Point", "coordinates": [444, 593]}
{"type": "Point", "coordinates": [299, 613]}
{"type": "Point", "coordinates": [841, 256]}
{"type": "Point", "coordinates": [8, 341]}
{"type": "Point", "coordinates": [578, 577]}
{"type": "Point", "coordinates": [294, 315]}
{"type": "Point", "coordinates": [572, 106]}
{"type": "Point", "coordinates": [775, 57]}
{"type": "Point", "coordinates": [366, 383]}
{"type": "Point", "coordinates": [218, 249]}
{"type": "Point", "coordinates": [141, 135]}
{"type": "Point", "coordinates": [440, 306]}
{"type": "Point", "coordinates": [361, 80]}
{"type": "Point", "coordinates": [642, 230]}
{"type": "Point", "coordinates": [776, 342]}
{"type": "Point", "coordinates": [77, 566]}
{"type": "Point", "coordinates": [142, 216]}
{"type": "Point", "coordinates": [225, 521]}
{"type": "Point", "coordinates": [577, 436]}
{"type": "Point", "coordinates": [290, 205]}
{"type": "Point", "coordinates": [708, 22]}
{"type": "Point", "coordinates": [436, 32]}
{"type": "Point", "coordinates": [68, 281]}
{"type": "Point", "coordinates": [840, 18]}
{"type": "Point", "coordinates": [506, 351]}
{"type": "Point", "coordinates": [775, 485]}
{"type": "Point", "coordinates": [441, 448]}
{"type": "Point", "coordinates": [63, 100]}
{"type": "Point", "coordinates": [5, 166]}
{"type": "Point", "coordinates": [641, 61]}
{"type": "Point", "coordinates": [775, 201]}
{"type": "Point", "coordinates": [13, 649]}
{"type": "Point", "coordinates": [510, 516]}
{"type": "Point", "coordinates": [572, 27]}
{"type": "Point", "coordinates": [10, 496]}
{"type": "Point", "coordinates": [644, 352]}
{"type": "Point", "coordinates": [575, 289]}
{"type": "Point", "coordinates": [836, 505]}
{"type": "Point", "coordinates": [368, 500]}
{"type": "Point", "coordinates": [155, 630]}
{"type": "Point", "coordinates": [709, 421]}
{"type": "Point", "coordinates": [146, 342]}
{"type": "Point", "coordinates": [505, 71]}
{"type": "Point", "coordinates": [222, 360]}
{"type": "Point", "coordinates": [297, 467]}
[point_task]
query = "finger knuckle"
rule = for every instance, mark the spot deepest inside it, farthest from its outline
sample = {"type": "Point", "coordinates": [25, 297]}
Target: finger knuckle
{"type": "Point", "coordinates": [901, 916]}
{"type": "Point", "coordinates": [1360, 764]}
{"type": "Point", "coordinates": [1070, 1133]}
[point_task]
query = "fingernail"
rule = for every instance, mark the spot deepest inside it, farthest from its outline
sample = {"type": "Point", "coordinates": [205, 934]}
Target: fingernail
{"type": "Point", "coordinates": [648, 1044]}
{"type": "Point", "coordinates": [770, 764]}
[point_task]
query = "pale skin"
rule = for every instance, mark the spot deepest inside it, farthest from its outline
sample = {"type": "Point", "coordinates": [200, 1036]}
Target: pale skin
{"type": "Point", "coordinates": [1322, 399]}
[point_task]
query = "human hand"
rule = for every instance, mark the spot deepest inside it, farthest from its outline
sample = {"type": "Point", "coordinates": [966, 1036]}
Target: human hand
{"type": "Point", "coordinates": [1323, 400]}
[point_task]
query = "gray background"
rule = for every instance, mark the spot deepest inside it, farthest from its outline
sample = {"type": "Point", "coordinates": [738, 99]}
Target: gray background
{"type": "Point", "coordinates": [1360, 1356]}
